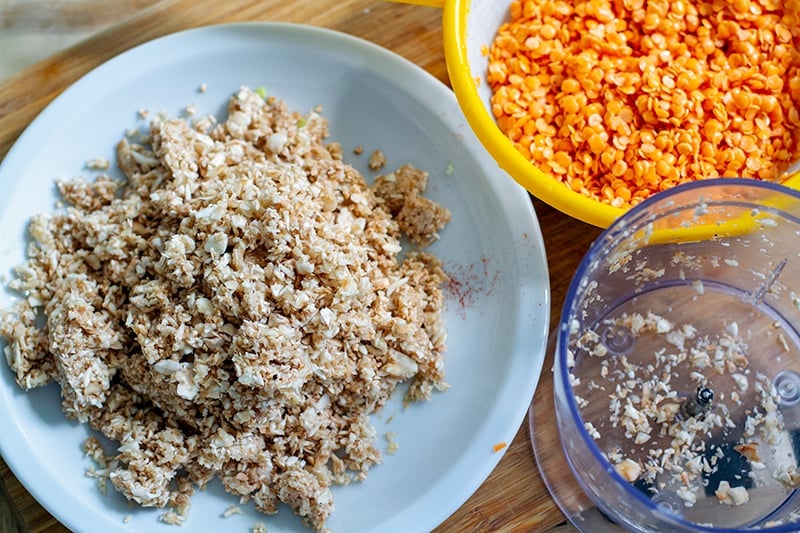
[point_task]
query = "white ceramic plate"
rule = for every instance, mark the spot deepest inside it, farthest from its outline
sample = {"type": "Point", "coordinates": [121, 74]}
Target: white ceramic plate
{"type": "Point", "coordinates": [497, 317]}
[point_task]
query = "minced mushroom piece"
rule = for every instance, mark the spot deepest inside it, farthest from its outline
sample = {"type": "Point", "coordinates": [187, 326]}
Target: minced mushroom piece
{"type": "Point", "coordinates": [421, 219]}
{"type": "Point", "coordinates": [98, 163]}
{"type": "Point", "coordinates": [235, 308]}
{"type": "Point", "coordinates": [377, 160]}
{"type": "Point", "coordinates": [749, 451]}
{"type": "Point", "coordinates": [629, 469]}
{"type": "Point", "coordinates": [731, 495]}
{"type": "Point", "coordinates": [788, 475]}
{"type": "Point", "coordinates": [400, 192]}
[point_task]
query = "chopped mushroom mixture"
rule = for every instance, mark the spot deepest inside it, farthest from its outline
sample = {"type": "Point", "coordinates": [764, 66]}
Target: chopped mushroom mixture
{"type": "Point", "coordinates": [235, 308]}
{"type": "Point", "coordinates": [640, 418]}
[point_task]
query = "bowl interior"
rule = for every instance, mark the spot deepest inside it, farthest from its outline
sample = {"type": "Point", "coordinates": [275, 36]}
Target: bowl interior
{"type": "Point", "coordinates": [469, 28]}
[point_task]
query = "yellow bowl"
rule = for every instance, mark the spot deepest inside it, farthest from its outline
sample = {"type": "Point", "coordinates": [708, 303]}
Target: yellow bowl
{"type": "Point", "coordinates": [469, 27]}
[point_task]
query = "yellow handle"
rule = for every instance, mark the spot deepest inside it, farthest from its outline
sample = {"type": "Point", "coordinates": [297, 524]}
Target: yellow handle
{"type": "Point", "coordinates": [431, 3]}
{"type": "Point", "coordinates": [730, 228]}
{"type": "Point", "coordinates": [793, 181]}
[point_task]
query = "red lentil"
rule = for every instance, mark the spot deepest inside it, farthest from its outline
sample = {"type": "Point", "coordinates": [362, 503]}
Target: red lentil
{"type": "Point", "coordinates": [620, 99]}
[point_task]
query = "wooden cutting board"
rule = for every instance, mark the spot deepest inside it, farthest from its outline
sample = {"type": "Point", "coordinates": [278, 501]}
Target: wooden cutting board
{"type": "Point", "coordinates": [514, 497]}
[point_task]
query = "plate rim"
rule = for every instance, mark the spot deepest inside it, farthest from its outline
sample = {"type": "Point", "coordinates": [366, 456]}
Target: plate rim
{"type": "Point", "coordinates": [512, 191]}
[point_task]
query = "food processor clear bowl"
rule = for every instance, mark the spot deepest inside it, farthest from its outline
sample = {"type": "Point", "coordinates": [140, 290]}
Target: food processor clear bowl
{"type": "Point", "coordinates": [677, 367]}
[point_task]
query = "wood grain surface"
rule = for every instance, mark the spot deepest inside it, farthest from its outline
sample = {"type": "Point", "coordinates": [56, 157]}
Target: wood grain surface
{"type": "Point", "coordinates": [31, 30]}
{"type": "Point", "coordinates": [513, 498]}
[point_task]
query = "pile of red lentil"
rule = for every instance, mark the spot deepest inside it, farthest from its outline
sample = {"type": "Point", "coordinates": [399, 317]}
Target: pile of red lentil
{"type": "Point", "coordinates": [620, 99]}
